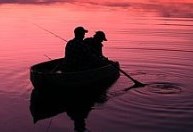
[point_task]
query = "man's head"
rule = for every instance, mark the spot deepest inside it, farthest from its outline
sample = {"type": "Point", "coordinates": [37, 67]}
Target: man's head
{"type": "Point", "coordinates": [100, 35]}
{"type": "Point", "coordinates": [80, 32]}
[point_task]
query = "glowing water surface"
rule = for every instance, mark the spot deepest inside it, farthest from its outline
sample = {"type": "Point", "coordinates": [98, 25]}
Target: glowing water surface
{"type": "Point", "coordinates": [153, 49]}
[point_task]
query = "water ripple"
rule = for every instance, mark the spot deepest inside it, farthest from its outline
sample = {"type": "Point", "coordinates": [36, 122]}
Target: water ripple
{"type": "Point", "coordinates": [164, 88]}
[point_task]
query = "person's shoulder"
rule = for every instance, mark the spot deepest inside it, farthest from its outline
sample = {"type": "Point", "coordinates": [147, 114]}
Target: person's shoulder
{"type": "Point", "coordinates": [71, 41]}
{"type": "Point", "coordinates": [88, 39]}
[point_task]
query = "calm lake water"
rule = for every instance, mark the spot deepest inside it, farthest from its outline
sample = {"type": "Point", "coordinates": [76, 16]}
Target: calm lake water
{"type": "Point", "coordinates": [152, 47]}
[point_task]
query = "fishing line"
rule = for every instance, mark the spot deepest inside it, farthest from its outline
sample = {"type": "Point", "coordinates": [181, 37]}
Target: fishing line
{"type": "Point", "coordinates": [49, 32]}
{"type": "Point", "coordinates": [47, 57]}
{"type": "Point", "coordinates": [49, 125]}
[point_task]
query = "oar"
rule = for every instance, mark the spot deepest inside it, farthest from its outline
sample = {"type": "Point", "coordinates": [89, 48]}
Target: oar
{"type": "Point", "coordinates": [137, 83]}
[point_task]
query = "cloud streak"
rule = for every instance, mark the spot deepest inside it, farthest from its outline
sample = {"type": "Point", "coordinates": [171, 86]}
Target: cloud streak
{"type": "Point", "coordinates": [33, 1]}
{"type": "Point", "coordinates": [164, 8]}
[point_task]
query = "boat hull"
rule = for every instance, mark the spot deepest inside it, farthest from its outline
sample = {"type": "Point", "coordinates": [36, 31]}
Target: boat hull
{"type": "Point", "coordinates": [44, 75]}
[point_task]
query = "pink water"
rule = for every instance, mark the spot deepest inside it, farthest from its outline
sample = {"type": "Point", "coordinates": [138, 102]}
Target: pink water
{"type": "Point", "coordinates": [152, 41]}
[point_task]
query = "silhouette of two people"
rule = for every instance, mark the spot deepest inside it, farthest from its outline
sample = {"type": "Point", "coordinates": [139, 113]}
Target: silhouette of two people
{"type": "Point", "coordinates": [86, 53]}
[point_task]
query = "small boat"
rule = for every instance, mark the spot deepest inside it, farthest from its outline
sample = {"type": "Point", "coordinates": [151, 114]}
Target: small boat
{"type": "Point", "coordinates": [48, 74]}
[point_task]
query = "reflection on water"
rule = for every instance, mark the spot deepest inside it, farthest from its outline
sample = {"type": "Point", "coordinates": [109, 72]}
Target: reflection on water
{"type": "Point", "coordinates": [76, 102]}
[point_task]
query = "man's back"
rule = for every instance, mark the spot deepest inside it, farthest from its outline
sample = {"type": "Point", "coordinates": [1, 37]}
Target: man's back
{"type": "Point", "coordinates": [94, 46]}
{"type": "Point", "coordinates": [74, 54]}
{"type": "Point", "coordinates": [74, 50]}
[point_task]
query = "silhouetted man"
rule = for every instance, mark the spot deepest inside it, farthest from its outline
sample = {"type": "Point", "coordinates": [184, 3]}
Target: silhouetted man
{"type": "Point", "coordinates": [95, 43]}
{"type": "Point", "coordinates": [75, 51]}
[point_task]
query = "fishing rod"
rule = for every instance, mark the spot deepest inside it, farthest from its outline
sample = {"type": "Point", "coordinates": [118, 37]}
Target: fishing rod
{"type": "Point", "coordinates": [136, 83]}
{"type": "Point", "coordinates": [47, 57]}
{"type": "Point", "coordinates": [50, 32]}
